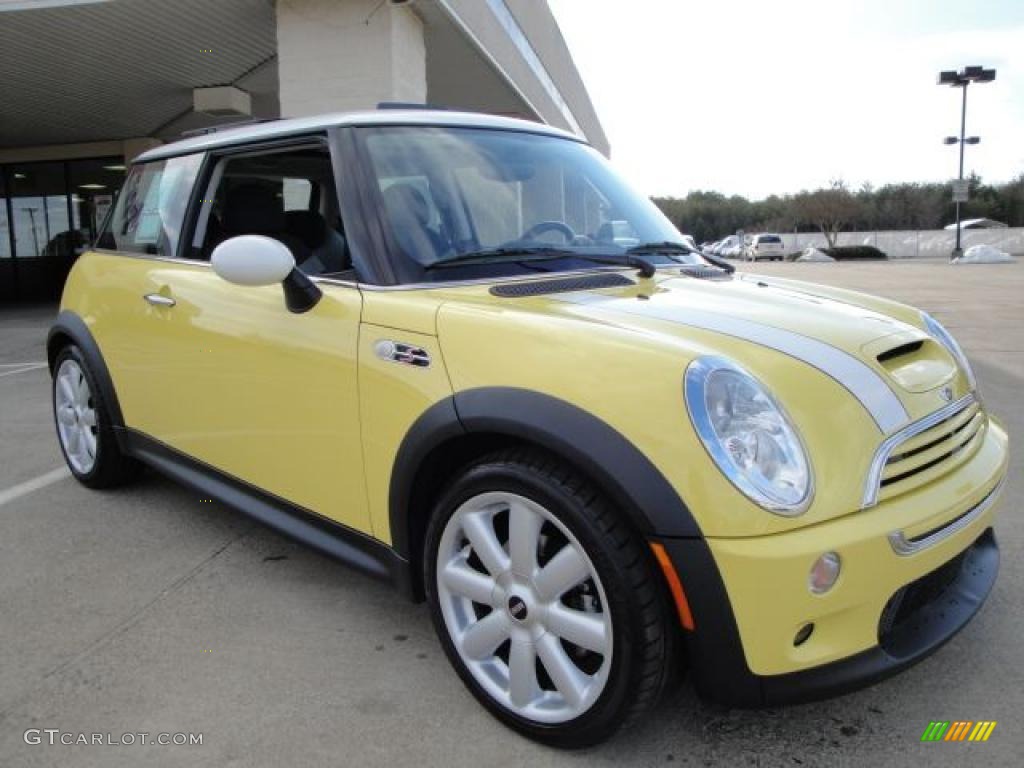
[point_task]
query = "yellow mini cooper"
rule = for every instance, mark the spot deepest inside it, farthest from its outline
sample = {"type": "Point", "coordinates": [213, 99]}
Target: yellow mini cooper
{"type": "Point", "coordinates": [457, 352]}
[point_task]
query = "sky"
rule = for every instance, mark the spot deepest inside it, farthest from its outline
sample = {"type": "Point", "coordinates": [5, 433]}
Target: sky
{"type": "Point", "coordinates": [774, 96]}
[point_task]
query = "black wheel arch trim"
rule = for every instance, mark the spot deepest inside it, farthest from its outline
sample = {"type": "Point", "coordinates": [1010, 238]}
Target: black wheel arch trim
{"type": "Point", "coordinates": [590, 444]}
{"type": "Point", "coordinates": [70, 326]}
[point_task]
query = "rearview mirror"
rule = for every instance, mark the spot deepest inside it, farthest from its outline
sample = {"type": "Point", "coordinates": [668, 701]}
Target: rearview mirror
{"type": "Point", "coordinates": [252, 260]}
{"type": "Point", "coordinates": [256, 260]}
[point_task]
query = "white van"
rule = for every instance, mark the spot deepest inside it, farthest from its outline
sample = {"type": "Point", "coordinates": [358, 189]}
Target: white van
{"type": "Point", "coordinates": [765, 246]}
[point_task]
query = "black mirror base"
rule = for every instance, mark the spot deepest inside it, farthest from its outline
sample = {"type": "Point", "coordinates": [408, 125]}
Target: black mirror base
{"type": "Point", "coordinates": [300, 293]}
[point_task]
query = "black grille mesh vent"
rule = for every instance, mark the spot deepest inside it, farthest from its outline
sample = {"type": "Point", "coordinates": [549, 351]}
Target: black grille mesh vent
{"type": "Point", "coordinates": [705, 273]}
{"type": "Point", "coordinates": [910, 599]}
{"type": "Point", "coordinates": [561, 285]}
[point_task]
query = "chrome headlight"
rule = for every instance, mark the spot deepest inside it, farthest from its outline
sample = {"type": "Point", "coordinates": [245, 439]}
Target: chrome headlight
{"type": "Point", "coordinates": [941, 335]}
{"type": "Point", "coordinates": [748, 435]}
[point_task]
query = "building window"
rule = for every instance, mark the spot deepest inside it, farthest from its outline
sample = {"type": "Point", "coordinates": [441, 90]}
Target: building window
{"type": "Point", "coordinates": [39, 209]}
{"type": "Point", "coordinates": [5, 226]}
{"type": "Point", "coordinates": [49, 213]}
{"type": "Point", "coordinates": [94, 186]}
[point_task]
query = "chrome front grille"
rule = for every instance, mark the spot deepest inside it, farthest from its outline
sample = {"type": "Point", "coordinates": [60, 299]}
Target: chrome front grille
{"type": "Point", "coordinates": [925, 450]}
{"type": "Point", "coordinates": [933, 447]}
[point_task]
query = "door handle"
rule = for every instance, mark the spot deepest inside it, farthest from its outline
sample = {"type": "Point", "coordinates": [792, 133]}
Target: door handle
{"type": "Point", "coordinates": [159, 300]}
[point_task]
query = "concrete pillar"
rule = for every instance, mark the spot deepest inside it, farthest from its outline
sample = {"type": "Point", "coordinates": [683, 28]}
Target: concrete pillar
{"type": "Point", "coordinates": [337, 55]}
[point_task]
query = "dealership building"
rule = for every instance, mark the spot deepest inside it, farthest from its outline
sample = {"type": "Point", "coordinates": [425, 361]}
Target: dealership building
{"type": "Point", "coordinates": [89, 84]}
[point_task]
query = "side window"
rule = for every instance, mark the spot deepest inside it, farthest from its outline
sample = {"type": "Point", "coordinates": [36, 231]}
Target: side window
{"type": "Point", "coordinates": [151, 207]}
{"type": "Point", "coordinates": [287, 194]}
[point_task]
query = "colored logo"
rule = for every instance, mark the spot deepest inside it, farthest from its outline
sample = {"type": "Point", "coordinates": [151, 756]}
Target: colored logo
{"type": "Point", "coordinates": [958, 730]}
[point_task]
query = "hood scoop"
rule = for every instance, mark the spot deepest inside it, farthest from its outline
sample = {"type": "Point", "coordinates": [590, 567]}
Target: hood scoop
{"type": "Point", "coordinates": [900, 351]}
{"type": "Point", "coordinates": [913, 360]}
{"type": "Point", "coordinates": [561, 285]}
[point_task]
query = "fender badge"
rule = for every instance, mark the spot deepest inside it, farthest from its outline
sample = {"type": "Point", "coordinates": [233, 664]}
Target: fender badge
{"type": "Point", "coordinates": [946, 393]}
{"type": "Point", "coordinates": [398, 352]}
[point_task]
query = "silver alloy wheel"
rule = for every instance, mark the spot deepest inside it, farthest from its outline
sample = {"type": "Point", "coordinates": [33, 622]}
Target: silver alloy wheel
{"type": "Point", "coordinates": [76, 416]}
{"type": "Point", "coordinates": [528, 617]}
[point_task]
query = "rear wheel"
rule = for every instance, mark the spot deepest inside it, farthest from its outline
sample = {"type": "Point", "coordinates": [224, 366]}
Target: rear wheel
{"type": "Point", "coordinates": [84, 429]}
{"type": "Point", "coordinates": [545, 602]}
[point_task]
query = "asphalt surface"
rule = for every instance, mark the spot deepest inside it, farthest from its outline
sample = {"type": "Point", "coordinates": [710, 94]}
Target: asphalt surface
{"type": "Point", "coordinates": [148, 610]}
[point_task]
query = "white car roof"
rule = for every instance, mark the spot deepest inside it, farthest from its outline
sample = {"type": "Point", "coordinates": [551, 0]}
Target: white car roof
{"type": "Point", "coordinates": [275, 129]}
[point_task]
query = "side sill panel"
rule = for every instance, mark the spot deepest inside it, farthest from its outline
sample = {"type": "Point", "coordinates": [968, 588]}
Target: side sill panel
{"type": "Point", "coordinates": [338, 541]}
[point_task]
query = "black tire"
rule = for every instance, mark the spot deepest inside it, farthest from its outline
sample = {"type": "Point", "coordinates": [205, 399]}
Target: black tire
{"type": "Point", "coordinates": [643, 630]}
{"type": "Point", "coordinates": [111, 467]}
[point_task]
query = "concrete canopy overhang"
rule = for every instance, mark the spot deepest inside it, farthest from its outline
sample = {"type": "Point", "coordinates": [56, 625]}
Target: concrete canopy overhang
{"type": "Point", "coordinates": [118, 69]}
{"type": "Point", "coordinates": [82, 71]}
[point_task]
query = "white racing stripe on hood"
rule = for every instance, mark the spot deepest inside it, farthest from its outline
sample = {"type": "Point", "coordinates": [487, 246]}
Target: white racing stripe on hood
{"type": "Point", "coordinates": [873, 392]}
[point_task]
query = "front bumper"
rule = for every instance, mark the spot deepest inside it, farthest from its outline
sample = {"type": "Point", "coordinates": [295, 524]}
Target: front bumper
{"type": "Point", "coordinates": [924, 615]}
{"type": "Point", "coordinates": [919, 632]}
{"type": "Point", "coordinates": [888, 610]}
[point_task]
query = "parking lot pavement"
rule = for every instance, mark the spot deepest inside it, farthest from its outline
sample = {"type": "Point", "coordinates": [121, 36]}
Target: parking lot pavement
{"type": "Point", "coordinates": [149, 610]}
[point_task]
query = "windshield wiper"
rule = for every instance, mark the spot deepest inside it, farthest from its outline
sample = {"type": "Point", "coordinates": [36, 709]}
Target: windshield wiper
{"type": "Point", "coordinates": [540, 253]}
{"type": "Point", "coordinates": [668, 246]}
{"type": "Point", "coordinates": [646, 268]}
{"type": "Point", "coordinates": [501, 255]}
{"type": "Point", "coordinates": [663, 246]}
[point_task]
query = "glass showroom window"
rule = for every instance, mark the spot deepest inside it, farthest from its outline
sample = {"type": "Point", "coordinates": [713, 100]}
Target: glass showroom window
{"type": "Point", "coordinates": [39, 210]}
{"type": "Point", "coordinates": [5, 225]}
{"type": "Point", "coordinates": [94, 186]}
{"type": "Point", "coordinates": [8, 287]}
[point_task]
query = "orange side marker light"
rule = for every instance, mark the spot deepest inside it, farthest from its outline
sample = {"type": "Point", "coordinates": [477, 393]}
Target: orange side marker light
{"type": "Point", "coordinates": [674, 585]}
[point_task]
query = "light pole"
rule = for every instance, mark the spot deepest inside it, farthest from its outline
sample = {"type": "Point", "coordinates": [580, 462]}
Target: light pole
{"type": "Point", "coordinates": [962, 79]}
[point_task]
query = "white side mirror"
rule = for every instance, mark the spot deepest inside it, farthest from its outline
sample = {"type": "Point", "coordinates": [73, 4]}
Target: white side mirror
{"type": "Point", "coordinates": [252, 260]}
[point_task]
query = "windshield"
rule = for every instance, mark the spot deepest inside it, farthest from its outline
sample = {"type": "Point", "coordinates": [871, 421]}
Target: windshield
{"type": "Point", "coordinates": [473, 203]}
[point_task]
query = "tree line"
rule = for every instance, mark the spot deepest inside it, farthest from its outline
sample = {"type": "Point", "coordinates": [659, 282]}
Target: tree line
{"type": "Point", "coordinates": [711, 215]}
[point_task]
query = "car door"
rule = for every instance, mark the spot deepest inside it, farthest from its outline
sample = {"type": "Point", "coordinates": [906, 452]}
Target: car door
{"type": "Point", "coordinates": [231, 377]}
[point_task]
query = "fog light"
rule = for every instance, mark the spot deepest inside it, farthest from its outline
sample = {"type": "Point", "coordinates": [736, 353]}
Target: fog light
{"type": "Point", "coordinates": [824, 573]}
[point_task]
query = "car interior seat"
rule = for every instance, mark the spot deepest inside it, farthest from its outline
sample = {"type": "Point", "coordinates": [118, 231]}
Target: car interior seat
{"type": "Point", "coordinates": [409, 216]}
{"type": "Point", "coordinates": [327, 246]}
{"type": "Point", "coordinates": [255, 209]}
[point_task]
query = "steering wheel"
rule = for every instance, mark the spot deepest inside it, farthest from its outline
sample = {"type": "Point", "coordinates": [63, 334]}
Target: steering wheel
{"type": "Point", "coordinates": [544, 227]}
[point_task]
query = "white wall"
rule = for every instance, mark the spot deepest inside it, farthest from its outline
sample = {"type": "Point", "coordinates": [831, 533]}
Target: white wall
{"type": "Point", "coordinates": [337, 55]}
{"type": "Point", "coordinates": [909, 244]}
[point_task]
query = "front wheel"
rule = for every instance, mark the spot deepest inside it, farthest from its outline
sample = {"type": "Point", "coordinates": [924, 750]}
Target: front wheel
{"type": "Point", "coordinates": [545, 602]}
{"type": "Point", "coordinates": [83, 423]}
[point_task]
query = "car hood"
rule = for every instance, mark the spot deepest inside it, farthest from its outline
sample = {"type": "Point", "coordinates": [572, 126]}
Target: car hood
{"type": "Point", "coordinates": [849, 369]}
{"type": "Point", "coordinates": [887, 363]}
